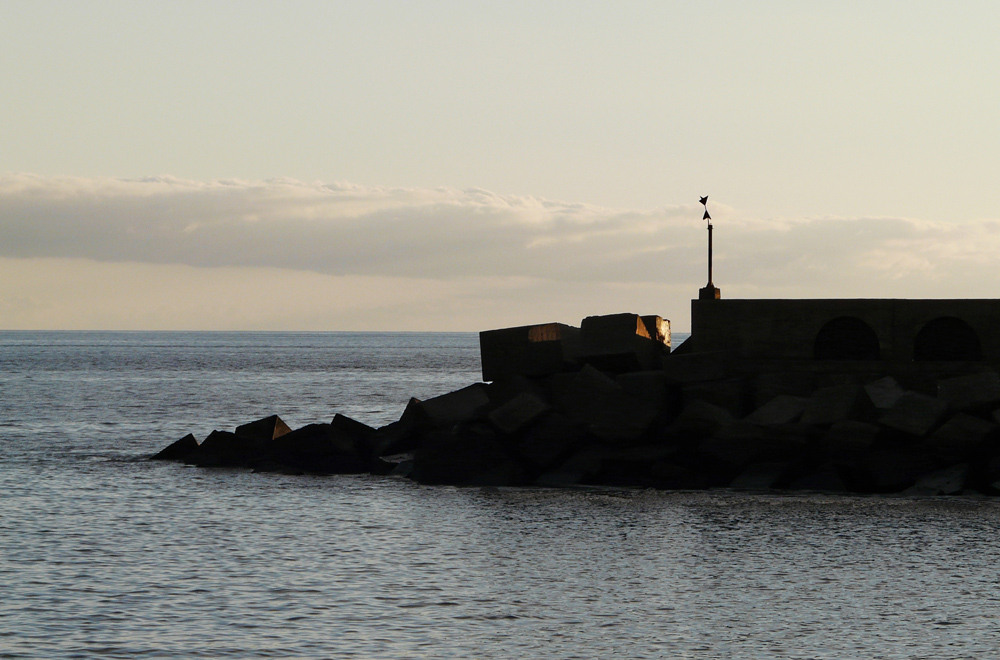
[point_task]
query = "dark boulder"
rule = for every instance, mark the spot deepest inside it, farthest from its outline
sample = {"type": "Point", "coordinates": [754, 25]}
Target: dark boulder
{"type": "Point", "coordinates": [320, 448]}
{"type": "Point", "coordinates": [263, 430]}
{"type": "Point", "coordinates": [914, 414]}
{"type": "Point", "coordinates": [177, 450]}
{"type": "Point", "coordinates": [225, 449]}
{"type": "Point", "coordinates": [446, 457]}
{"type": "Point", "coordinates": [518, 412]}
{"type": "Point", "coordinates": [552, 438]}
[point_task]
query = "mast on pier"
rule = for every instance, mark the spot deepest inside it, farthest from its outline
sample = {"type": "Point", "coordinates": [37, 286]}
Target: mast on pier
{"type": "Point", "coordinates": [709, 292]}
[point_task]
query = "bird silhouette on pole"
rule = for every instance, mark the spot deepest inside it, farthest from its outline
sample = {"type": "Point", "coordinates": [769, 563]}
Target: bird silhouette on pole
{"type": "Point", "coordinates": [704, 202]}
{"type": "Point", "coordinates": [710, 292]}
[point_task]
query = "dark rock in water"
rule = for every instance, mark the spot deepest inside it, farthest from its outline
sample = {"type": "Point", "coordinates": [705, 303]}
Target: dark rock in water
{"type": "Point", "coordinates": [458, 406]}
{"type": "Point", "coordinates": [736, 445]}
{"type": "Point", "coordinates": [225, 449]}
{"type": "Point", "coordinates": [827, 479]}
{"type": "Point", "coordinates": [382, 467]}
{"type": "Point", "coordinates": [363, 434]}
{"type": "Point", "coordinates": [670, 476]}
{"type": "Point", "coordinates": [352, 426]}
{"type": "Point", "coordinates": [914, 414]}
{"type": "Point", "coordinates": [631, 466]}
{"type": "Point", "coordinates": [973, 391]}
{"type": "Point", "coordinates": [447, 458]}
{"type": "Point", "coordinates": [276, 468]}
{"type": "Point", "coordinates": [949, 481]}
{"type": "Point", "coordinates": [177, 450]}
{"type": "Point", "coordinates": [892, 471]}
{"type": "Point", "coordinates": [581, 467]}
{"type": "Point", "coordinates": [320, 448]}
{"type": "Point", "coordinates": [760, 476]}
{"type": "Point", "coordinates": [552, 438]}
{"type": "Point", "coordinates": [400, 436]}
{"type": "Point", "coordinates": [263, 430]}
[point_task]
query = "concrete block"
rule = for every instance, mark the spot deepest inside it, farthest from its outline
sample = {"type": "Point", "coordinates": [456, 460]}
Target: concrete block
{"type": "Point", "coordinates": [759, 476]}
{"type": "Point", "coordinates": [225, 449]}
{"type": "Point", "coordinates": [320, 448]}
{"type": "Point", "coordinates": [730, 394]}
{"type": "Point", "coordinates": [949, 481]}
{"type": "Point", "coordinates": [884, 392]}
{"type": "Point", "coordinates": [766, 386]}
{"type": "Point", "coordinates": [850, 436]}
{"type": "Point", "coordinates": [833, 404]}
{"type": "Point", "coordinates": [658, 329]}
{"type": "Point", "coordinates": [782, 409]}
{"type": "Point", "coordinates": [825, 479]}
{"type": "Point", "coordinates": [914, 414]}
{"type": "Point", "coordinates": [978, 390]}
{"type": "Point", "coordinates": [892, 471]}
{"type": "Point", "coordinates": [736, 444]}
{"type": "Point", "coordinates": [446, 458]}
{"type": "Point", "coordinates": [700, 418]}
{"type": "Point", "coordinates": [596, 400]}
{"type": "Point", "coordinates": [177, 450]}
{"type": "Point", "coordinates": [959, 436]}
{"type": "Point", "coordinates": [263, 430]}
{"type": "Point", "coordinates": [698, 367]}
{"type": "Point", "coordinates": [620, 343]}
{"type": "Point", "coordinates": [530, 350]}
{"type": "Point", "coordinates": [669, 476]}
{"type": "Point", "coordinates": [651, 387]}
{"type": "Point", "coordinates": [502, 390]}
{"type": "Point", "coordinates": [582, 467]}
{"type": "Point", "coordinates": [551, 438]}
{"type": "Point", "coordinates": [454, 407]}
{"type": "Point", "coordinates": [519, 412]}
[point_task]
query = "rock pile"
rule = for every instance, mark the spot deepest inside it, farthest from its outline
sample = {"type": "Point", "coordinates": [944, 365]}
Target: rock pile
{"type": "Point", "coordinates": [696, 420]}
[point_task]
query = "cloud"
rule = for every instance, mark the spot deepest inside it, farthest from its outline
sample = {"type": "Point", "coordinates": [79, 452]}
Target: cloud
{"type": "Point", "coordinates": [335, 229]}
{"type": "Point", "coordinates": [434, 258]}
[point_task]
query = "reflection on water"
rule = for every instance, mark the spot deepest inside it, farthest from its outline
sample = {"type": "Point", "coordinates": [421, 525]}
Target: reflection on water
{"type": "Point", "coordinates": [133, 559]}
{"type": "Point", "coordinates": [106, 555]}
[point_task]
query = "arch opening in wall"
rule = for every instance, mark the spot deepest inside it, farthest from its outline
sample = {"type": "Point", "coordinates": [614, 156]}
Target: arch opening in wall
{"type": "Point", "coordinates": [947, 338]}
{"type": "Point", "coordinates": [846, 338]}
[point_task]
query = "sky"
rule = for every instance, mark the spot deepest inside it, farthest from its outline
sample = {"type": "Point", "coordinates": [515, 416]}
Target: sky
{"type": "Point", "coordinates": [433, 165]}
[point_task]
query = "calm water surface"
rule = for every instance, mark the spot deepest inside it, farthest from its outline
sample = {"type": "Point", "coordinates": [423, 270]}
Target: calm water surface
{"type": "Point", "coordinates": [106, 555]}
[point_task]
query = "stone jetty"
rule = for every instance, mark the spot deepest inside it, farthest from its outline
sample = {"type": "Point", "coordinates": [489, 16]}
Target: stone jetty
{"type": "Point", "coordinates": [823, 397]}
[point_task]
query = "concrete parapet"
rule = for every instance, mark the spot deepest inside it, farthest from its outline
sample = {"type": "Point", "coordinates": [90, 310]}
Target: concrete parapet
{"type": "Point", "coordinates": [617, 343]}
{"type": "Point", "coordinates": [528, 350]}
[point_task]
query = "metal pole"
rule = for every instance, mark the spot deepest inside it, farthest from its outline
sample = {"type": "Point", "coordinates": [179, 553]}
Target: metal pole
{"type": "Point", "coordinates": [710, 254]}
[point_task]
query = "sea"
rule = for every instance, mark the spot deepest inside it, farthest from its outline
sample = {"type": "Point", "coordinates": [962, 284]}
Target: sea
{"type": "Point", "coordinates": [105, 554]}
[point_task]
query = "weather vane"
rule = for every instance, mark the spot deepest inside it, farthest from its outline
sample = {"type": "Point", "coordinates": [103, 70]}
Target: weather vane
{"type": "Point", "coordinates": [709, 292]}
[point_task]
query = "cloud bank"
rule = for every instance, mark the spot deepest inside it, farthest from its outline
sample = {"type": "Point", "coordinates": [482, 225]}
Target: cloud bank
{"type": "Point", "coordinates": [516, 256]}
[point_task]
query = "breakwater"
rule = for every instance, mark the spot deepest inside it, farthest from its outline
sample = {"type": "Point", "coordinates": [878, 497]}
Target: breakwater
{"type": "Point", "coordinates": [609, 404]}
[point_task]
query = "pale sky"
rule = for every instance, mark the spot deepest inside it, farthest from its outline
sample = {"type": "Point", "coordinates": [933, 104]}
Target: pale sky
{"type": "Point", "coordinates": [470, 165]}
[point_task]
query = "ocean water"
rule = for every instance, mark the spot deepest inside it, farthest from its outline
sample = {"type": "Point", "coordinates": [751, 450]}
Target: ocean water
{"type": "Point", "coordinates": [104, 554]}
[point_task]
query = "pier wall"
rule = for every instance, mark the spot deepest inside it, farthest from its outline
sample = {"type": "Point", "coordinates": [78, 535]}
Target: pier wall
{"type": "Point", "coordinates": [893, 330]}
